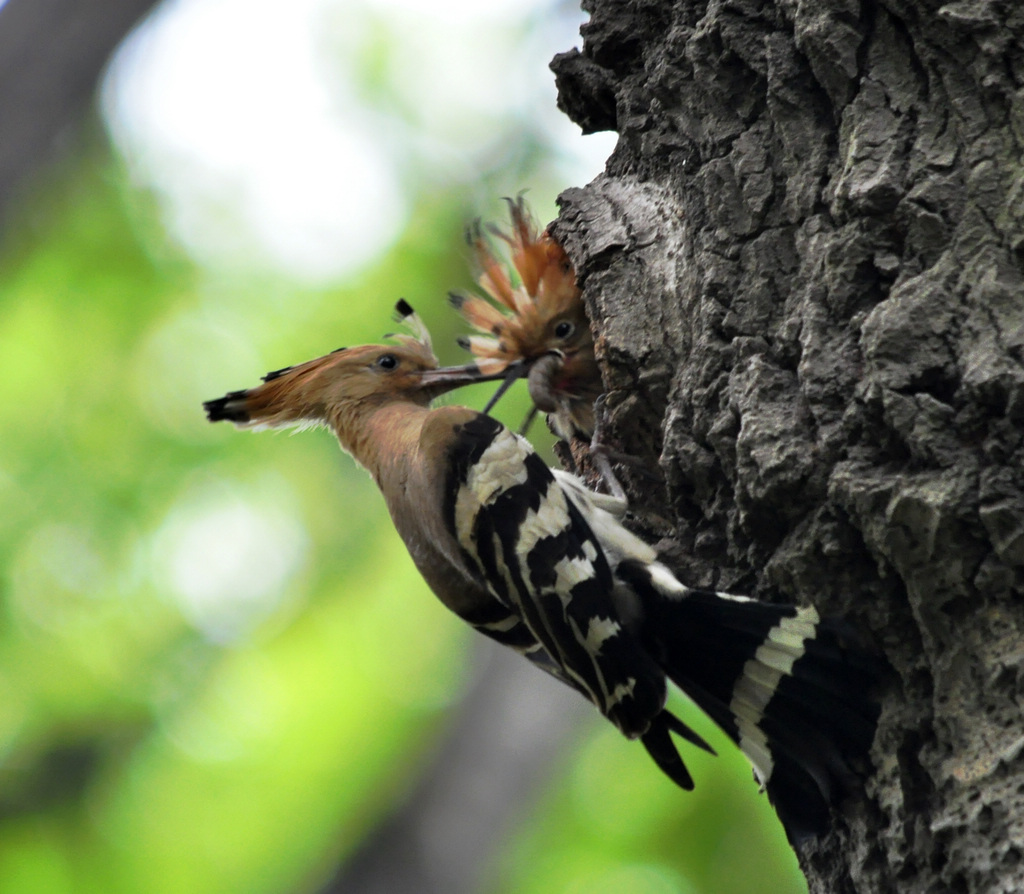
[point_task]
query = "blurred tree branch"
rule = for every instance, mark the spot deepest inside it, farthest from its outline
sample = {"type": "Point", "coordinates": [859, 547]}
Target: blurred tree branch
{"type": "Point", "coordinates": [52, 53]}
{"type": "Point", "coordinates": [494, 758]}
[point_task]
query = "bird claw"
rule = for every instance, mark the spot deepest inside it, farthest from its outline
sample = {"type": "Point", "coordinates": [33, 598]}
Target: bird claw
{"type": "Point", "coordinates": [683, 731]}
{"type": "Point", "coordinates": [662, 749]}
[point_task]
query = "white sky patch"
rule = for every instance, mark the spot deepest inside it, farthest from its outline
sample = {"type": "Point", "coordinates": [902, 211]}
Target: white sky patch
{"type": "Point", "coordinates": [218, 105]}
{"type": "Point", "coordinates": [226, 560]}
{"type": "Point", "coordinates": [290, 136]}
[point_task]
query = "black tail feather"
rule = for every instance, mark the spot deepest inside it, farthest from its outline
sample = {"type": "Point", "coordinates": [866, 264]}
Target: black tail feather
{"type": "Point", "coordinates": [805, 714]}
{"type": "Point", "coordinates": [677, 726]}
{"type": "Point", "coordinates": [660, 747]}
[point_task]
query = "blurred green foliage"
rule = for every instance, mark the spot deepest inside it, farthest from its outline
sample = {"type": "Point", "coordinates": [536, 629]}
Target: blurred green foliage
{"type": "Point", "coordinates": [218, 668]}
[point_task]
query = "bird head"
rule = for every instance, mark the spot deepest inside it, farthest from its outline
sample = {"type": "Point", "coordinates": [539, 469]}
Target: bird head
{"type": "Point", "coordinates": [348, 382]}
{"type": "Point", "coordinates": [539, 314]}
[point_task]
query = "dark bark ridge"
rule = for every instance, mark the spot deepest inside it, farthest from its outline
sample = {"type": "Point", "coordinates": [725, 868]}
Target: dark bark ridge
{"type": "Point", "coordinates": [804, 268]}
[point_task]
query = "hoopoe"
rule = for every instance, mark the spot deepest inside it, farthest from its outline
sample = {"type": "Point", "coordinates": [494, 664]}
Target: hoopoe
{"type": "Point", "coordinates": [532, 559]}
{"type": "Point", "coordinates": [537, 327]}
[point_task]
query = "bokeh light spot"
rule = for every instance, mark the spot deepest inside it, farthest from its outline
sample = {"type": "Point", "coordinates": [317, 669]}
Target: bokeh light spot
{"type": "Point", "coordinates": [226, 560]}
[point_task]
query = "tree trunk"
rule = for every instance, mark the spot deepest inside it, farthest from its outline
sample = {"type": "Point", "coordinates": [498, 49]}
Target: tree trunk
{"type": "Point", "coordinates": [804, 267]}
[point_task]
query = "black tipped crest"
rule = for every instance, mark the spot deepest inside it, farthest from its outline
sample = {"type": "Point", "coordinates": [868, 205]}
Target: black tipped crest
{"type": "Point", "coordinates": [419, 340]}
{"type": "Point", "coordinates": [474, 232]}
{"type": "Point", "coordinates": [403, 309]}
{"type": "Point", "coordinates": [230, 407]}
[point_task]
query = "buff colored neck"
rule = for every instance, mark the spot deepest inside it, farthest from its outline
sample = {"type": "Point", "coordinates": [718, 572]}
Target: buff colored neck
{"type": "Point", "coordinates": [394, 426]}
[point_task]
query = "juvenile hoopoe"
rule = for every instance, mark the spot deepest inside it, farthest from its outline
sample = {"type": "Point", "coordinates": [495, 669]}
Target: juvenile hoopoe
{"type": "Point", "coordinates": [531, 558]}
{"type": "Point", "coordinates": [537, 327]}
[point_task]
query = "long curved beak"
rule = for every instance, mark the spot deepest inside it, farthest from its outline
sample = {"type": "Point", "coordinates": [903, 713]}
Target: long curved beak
{"type": "Point", "coordinates": [448, 378]}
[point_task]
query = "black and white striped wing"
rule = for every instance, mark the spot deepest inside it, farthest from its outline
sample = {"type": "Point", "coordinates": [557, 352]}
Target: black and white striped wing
{"type": "Point", "coordinates": [543, 563]}
{"type": "Point", "coordinates": [504, 625]}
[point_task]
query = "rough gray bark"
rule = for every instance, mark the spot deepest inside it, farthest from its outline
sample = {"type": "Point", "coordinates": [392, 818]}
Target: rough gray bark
{"type": "Point", "coordinates": [52, 53]}
{"type": "Point", "coordinates": [804, 267]}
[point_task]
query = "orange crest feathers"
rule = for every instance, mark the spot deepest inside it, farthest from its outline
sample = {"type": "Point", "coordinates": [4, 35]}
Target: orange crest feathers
{"type": "Point", "coordinates": [521, 323]}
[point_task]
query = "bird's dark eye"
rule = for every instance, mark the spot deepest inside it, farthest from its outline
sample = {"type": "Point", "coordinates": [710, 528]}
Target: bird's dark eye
{"type": "Point", "coordinates": [564, 329]}
{"type": "Point", "coordinates": [387, 361]}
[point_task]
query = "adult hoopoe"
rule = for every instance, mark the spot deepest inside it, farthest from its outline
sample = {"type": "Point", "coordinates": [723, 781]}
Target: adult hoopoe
{"type": "Point", "coordinates": [534, 560]}
{"type": "Point", "coordinates": [535, 327]}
